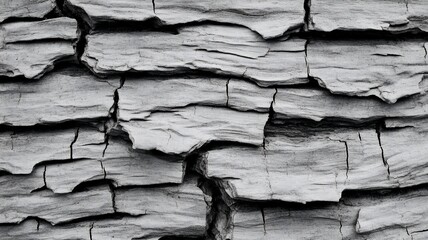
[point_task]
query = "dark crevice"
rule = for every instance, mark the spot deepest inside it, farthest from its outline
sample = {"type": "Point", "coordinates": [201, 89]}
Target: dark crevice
{"type": "Point", "coordinates": [425, 49]}
{"type": "Point", "coordinates": [82, 25]}
{"type": "Point", "coordinates": [113, 198]}
{"type": "Point", "coordinates": [90, 230]}
{"type": "Point", "coordinates": [340, 228]}
{"type": "Point", "coordinates": [44, 177]}
{"type": "Point", "coordinates": [219, 215]}
{"type": "Point", "coordinates": [154, 6]}
{"type": "Point", "coordinates": [347, 156]}
{"type": "Point", "coordinates": [270, 118]}
{"type": "Point", "coordinates": [307, 18]}
{"type": "Point", "coordinates": [264, 220]}
{"type": "Point", "coordinates": [103, 168]}
{"type": "Point", "coordinates": [227, 92]}
{"type": "Point", "coordinates": [379, 128]}
{"type": "Point", "coordinates": [38, 225]}
{"type": "Point", "coordinates": [74, 141]}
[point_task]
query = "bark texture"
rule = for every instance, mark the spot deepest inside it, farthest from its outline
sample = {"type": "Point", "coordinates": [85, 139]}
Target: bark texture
{"type": "Point", "coordinates": [217, 120]}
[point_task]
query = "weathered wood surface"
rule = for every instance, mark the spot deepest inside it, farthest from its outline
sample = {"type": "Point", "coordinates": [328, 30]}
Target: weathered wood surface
{"type": "Point", "coordinates": [25, 9]}
{"type": "Point", "coordinates": [67, 95]}
{"type": "Point", "coordinates": [225, 120]}
{"type": "Point", "coordinates": [56, 208]}
{"type": "Point", "coordinates": [316, 104]}
{"type": "Point", "coordinates": [30, 49]}
{"type": "Point", "coordinates": [268, 18]}
{"type": "Point", "coordinates": [224, 50]}
{"type": "Point", "coordinates": [366, 15]}
{"type": "Point", "coordinates": [136, 101]}
{"type": "Point", "coordinates": [317, 166]}
{"type": "Point", "coordinates": [184, 130]}
{"type": "Point", "coordinates": [386, 69]}
{"type": "Point", "coordinates": [119, 163]}
{"type": "Point", "coordinates": [357, 217]}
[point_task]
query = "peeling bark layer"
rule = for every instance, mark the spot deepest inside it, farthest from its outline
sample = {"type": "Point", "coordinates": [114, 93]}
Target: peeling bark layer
{"type": "Point", "coordinates": [30, 49]}
{"type": "Point", "coordinates": [387, 69]}
{"type": "Point", "coordinates": [25, 9]}
{"type": "Point", "coordinates": [67, 95]}
{"type": "Point", "coordinates": [223, 50]}
{"type": "Point", "coordinates": [360, 15]}
{"type": "Point", "coordinates": [268, 18]}
{"type": "Point", "coordinates": [184, 130]}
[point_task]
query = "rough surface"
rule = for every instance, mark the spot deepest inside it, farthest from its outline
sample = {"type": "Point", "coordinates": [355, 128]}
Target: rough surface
{"type": "Point", "coordinates": [208, 48]}
{"type": "Point", "coordinates": [387, 69]}
{"type": "Point", "coordinates": [30, 49]}
{"type": "Point", "coordinates": [268, 18]}
{"type": "Point", "coordinates": [317, 105]}
{"type": "Point", "coordinates": [366, 15]}
{"type": "Point", "coordinates": [67, 95]}
{"type": "Point", "coordinates": [25, 9]}
{"type": "Point", "coordinates": [119, 163]}
{"type": "Point", "coordinates": [184, 130]}
{"type": "Point", "coordinates": [319, 165]}
{"type": "Point", "coordinates": [213, 120]}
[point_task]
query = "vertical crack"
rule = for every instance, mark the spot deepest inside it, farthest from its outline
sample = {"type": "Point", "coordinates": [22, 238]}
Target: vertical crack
{"type": "Point", "coordinates": [44, 177]}
{"type": "Point", "coordinates": [425, 49]}
{"type": "Point", "coordinates": [306, 59]}
{"type": "Point", "coordinates": [347, 156]}
{"type": "Point", "coordinates": [227, 92]}
{"type": "Point", "coordinates": [271, 115]}
{"type": "Point", "coordinates": [90, 231]}
{"type": "Point", "coordinates": [106, 139]}
{"type": "Point", "coordinates": [113, 199]}
{"type": "Point", "coordinates": [154, 6]}
{"type": "Point", "coordinates": [340, 228]}
{"type": "Point", "coordinates": [11, 139]}
{"type": "Point", "coordinates": [76, 135]}
{"type": "Point", "coordinates": [385, 162]}
{"type": "Point", "coordinates": [264, 220]}
{"type": "Point", "coordinates": [103, 168]}
{"type": "Point", "coordinates": [38, 225]}
{"type": "Point", "coordinates": [307, 18]}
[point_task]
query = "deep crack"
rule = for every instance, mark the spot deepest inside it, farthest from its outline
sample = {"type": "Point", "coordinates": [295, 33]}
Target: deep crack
{"type": "Point", "coordinates": [385, 162]}
{"type": "Point", "coordinates": [76, 135]}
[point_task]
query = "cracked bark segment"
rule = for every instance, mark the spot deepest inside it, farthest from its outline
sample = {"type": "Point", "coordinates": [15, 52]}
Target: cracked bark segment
{"type": "Point", "coordinates": [184, 130]}
{"type": "Point", "coordinates": [268, 18]}
{"type": "Point", "coordinates": [161, 211]}
{"type": "Point", "coordinates": [318, 166]}
{"type": "Point", "coordinates": [386, 69]}
{"type": "Point", "coordinates": [137, 102]}
{"type": "Point", "coordinates": [25, 9]}
{"type": "Point", "coordinates": [285, 223]}
{"type": "Point", "coordinates": [21, 184]}
{"type": "Point", "coordinates": [406, 212]}
{"type": "Point", "coordinates": [185, 199]}
{"type": "Point", "coordinates": [56, 208]}
{"type": "Point", "coordinates": [225, 50]}
{"type": "Point", "coordinates": [317, 105]}
{"type": "Point", "coordinates": [31, 49]}
{"type": "Point", "coordinates": [245, 96]}
{"type": "Point", "coordinates": [67, 95]}
{"type": "Point", "coordinates": [39, 230]}
{"type": "Point", "coordinates": [405, 152]}
{"type": "Point", "coordinates": [120, 163]}
{"type": "Point", "coordinates": [21, 151]}
{"type": "Point", "coordinates": [349, 15]}
{"type": "Point", "coordinates": [56, 28]}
